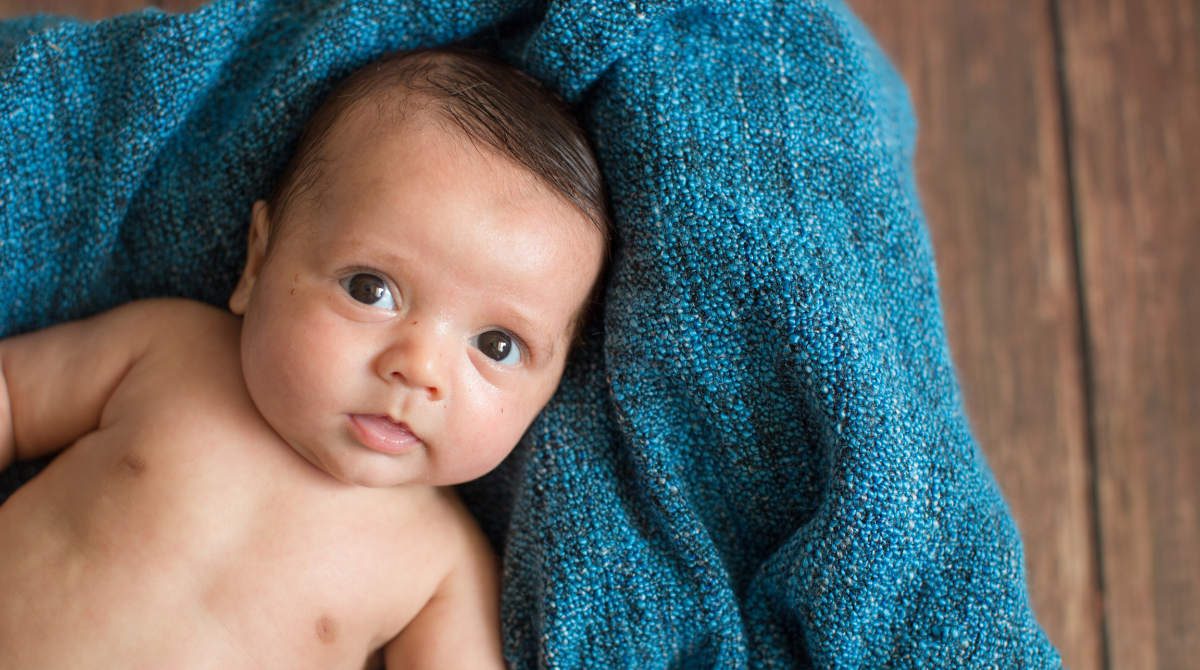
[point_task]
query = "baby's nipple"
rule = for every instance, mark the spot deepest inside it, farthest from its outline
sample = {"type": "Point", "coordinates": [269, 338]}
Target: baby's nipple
{"type": "Point", "coordinates": [327, 629]}
{"type": "Point", "coordinates": [131, 465]}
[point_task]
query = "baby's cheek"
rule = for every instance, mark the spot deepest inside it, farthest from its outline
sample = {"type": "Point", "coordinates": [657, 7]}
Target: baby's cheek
{"type": "Point", "coordinates": [271, 382]}
{"type": "Point", "coordinates": [499, 423]}
{"type": "Point", "coordinates": [322, 361]}
{"type": "Point", "coordinates": [294, 367]}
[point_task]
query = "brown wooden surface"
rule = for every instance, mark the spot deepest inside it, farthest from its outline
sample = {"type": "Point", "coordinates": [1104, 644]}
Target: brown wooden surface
{"type": "Point", "coordinates": [1132, 75]}
{"type": "Point", "coordinates": [91, 9]}
{"type": "Point", "coordinates": [991, 167]}
{"type": "Point", "coordinates": [1059, 167]}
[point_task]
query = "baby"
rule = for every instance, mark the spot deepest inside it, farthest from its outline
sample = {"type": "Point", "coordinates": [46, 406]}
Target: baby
{"type": "Point", "coordinates": [267, 488]}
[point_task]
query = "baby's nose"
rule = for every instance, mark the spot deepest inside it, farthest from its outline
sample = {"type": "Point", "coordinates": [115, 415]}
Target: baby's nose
{"type": "Point", "coordinates": [418, 360]}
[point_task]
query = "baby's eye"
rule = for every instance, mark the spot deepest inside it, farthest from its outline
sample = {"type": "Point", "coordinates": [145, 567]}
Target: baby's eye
{"type": "Point", "coordinates": [498, 346]}
{"type": "Point", "coordinates": [369, 290]}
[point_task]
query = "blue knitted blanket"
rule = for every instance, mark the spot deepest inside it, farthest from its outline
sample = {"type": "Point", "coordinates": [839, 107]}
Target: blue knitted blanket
{"type": "Point", "coordinates": [759, 458]}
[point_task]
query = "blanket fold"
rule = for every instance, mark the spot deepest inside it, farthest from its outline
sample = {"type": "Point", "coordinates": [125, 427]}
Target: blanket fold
{"type": "Point", "coordinates": [758, 458]}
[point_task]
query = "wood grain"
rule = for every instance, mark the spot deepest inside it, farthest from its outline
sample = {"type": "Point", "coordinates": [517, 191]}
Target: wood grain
{"type": "Point", "coordinates": [92, 10]}
{"type": "Point", "coordinates": [993, 178]}
{"type": "Point", "coordinates": [1133, 89]}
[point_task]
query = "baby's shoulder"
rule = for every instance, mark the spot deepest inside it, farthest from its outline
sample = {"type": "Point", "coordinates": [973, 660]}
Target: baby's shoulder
{"type": "Point", "coordinates": [179, 318]}
{"type": "Point", "coordinates": [462, 612]}
{"type": "Point", "coordinates": [182, 329]}
{"type": "Point", "coordinates": [442, 521]}
{"type": "Point", "coordinates": [437, 508]}
{"type": "Point", "coordinates": [476, 557]}
{"type": "Point", "coordinates": [189, 351]}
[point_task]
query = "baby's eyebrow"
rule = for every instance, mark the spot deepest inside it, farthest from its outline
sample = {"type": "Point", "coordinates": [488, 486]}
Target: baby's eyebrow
{"type": "Point", "coordinates": [543, 342]}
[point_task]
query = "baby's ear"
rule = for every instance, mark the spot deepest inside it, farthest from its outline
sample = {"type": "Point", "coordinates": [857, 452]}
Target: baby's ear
{"type": "Point", "coordinates": [256, 251]}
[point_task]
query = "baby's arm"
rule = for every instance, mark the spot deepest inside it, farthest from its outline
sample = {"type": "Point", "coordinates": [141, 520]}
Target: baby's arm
{"type": "Point", "coordinates": [460, 626]}
{"type": "Point", "coordinates": [55, 383]}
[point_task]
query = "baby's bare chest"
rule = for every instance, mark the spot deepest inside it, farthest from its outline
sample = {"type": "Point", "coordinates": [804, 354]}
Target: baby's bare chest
{"type": "Point", "coordinates": [186, 533]}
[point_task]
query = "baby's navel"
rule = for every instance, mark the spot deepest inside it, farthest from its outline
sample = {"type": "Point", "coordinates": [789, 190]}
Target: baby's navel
{"type": "Point", "coordinates": [131, 465]}
{"type": "Point", "coordinates": [327, 630]}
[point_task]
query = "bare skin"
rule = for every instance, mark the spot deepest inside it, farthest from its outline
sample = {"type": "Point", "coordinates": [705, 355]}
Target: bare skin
{"type": "Point", "coordinates": [221, 504]}
{"type": "Point", "coordinates": [184, 533]}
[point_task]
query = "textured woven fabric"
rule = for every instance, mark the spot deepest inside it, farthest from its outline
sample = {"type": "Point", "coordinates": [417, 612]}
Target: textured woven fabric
{"type": "Point", "coordinates": [759, 458]}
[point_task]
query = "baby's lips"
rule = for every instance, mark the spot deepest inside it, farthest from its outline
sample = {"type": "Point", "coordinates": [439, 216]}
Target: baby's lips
{"type": "Point", "coordinates": [378, 432]}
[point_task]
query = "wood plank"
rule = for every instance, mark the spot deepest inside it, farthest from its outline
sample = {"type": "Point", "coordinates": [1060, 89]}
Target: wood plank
{"type": "Point", "coordinates": [992, 173]}
{"type": "Point", "coordinates": [1132, 72]}
{"type": "Point", "coordinates": [93, 10]}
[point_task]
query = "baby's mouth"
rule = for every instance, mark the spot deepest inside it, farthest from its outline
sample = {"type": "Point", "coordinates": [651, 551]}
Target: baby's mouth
{"type": "Point", "coordinates": [378, 432]}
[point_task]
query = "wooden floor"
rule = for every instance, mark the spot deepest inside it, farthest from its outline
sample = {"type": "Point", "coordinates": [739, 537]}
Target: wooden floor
{"type": "Point", "coordinates": [1059, 164]}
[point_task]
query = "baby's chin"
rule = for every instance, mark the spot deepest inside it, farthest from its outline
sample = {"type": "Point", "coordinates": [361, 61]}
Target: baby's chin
{"type": "Point", "coordinates": [369, 479]}
{"type": "Point", "coordinates": [367, 469]}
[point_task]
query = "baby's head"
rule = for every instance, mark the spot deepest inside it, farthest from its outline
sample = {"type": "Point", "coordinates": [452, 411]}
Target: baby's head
{"type": "Point", "coordinates": [415, 281]}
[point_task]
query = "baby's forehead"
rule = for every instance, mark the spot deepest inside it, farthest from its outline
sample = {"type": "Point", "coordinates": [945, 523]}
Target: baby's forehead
{"type": "Point", "coordinates": [477, 104]}
{"type": "Point", "coordinates": [367, 126]}
{"type": "Point", "coordinates": [368, 147]}
{"type": "Point", "coordinates": [381, 112]}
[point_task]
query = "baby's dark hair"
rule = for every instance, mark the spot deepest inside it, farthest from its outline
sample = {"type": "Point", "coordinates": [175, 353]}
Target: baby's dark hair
{"type": "Point", "coordinates": [493, 104]}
